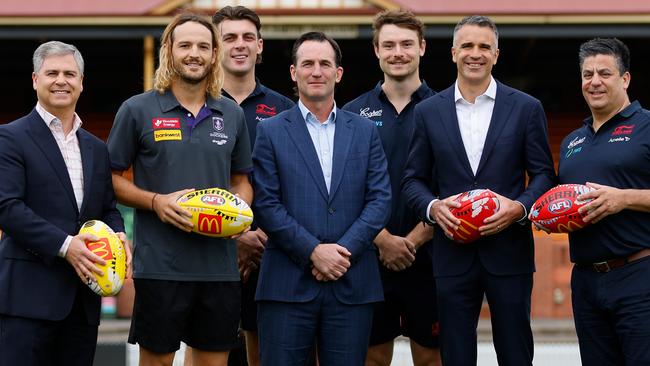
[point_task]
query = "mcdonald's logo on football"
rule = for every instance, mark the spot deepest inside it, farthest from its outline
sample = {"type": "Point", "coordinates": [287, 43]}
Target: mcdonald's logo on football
{"type": "Point", "coordinates": [102, 248]}
{"type": "Point", "coordinates": [209, 224]}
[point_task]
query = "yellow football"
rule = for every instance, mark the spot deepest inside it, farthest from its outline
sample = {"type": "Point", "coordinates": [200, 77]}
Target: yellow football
{"type": "Point", "coordinates": [110, 248]}
{"type": "Point", "coordinates": [216, 212]}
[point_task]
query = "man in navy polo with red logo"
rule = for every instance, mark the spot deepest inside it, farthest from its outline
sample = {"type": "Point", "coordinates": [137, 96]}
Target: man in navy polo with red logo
{"type": "Point", "coordinates": [242, 51]}
{"type": "Point", "coordinates": [610, 153]}
{"type": "Point", "coordinates": [409, 307]}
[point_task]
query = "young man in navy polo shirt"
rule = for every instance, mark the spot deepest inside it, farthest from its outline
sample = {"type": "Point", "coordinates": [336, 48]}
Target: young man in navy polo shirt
{"type": "Point", "coordinates": [610, 153]}
{"type": "Point", "coordinates": [409, 289]}
{"type": "Point", "coordinates": [242, 51]}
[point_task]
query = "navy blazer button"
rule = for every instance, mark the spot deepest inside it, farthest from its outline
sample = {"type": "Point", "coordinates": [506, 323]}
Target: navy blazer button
{"type": "Point", "coordinates": [331, 210]}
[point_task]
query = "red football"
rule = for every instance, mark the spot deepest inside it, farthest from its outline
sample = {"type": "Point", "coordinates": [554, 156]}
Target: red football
{"type": "Point", "coordinates": [476, 206]}
{"type": "Point", "coordinates": [557, 209]}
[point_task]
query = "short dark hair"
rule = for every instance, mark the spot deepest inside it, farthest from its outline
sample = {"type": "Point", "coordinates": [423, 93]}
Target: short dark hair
{"type": "Point", "coordinates": [238, 13]}
{"type": "Point", "coordinates": [606, 46]}
{"type": "Point", "coordinates": [318, 37]}
{"type": "Point", "coordinates": [399, 18]}
{"type": "Point", "coordinates": [478, 20]}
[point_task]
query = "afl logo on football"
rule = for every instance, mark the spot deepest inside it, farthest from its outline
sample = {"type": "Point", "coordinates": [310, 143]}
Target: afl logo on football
{"type": "Point", "coordinates": [213, 200]}
{"type": "Point", "coordinates": [559, 206]}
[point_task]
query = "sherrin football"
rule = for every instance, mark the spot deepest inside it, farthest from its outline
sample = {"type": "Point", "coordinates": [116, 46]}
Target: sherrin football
{"type": "Point", "coordinates": [557, 209]}
{"type": "Point", "coordinates": [216, 212]}
{"type": "Point", "coordinates": [476, 206]}
{"type": "Point", "coordinates": [110, 248]}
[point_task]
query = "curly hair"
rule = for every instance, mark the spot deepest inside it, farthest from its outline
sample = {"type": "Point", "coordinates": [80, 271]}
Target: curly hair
{"type": "Point", "coordinates": [165, 72]}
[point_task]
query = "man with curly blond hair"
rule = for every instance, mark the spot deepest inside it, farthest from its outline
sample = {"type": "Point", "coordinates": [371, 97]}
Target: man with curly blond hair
{"type": "Point", "coordinates": [180, 136]}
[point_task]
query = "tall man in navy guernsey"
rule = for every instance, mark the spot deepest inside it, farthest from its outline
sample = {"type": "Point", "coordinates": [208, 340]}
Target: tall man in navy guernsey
{"type": "Point", "coordinates": [322, 195]}
{"type": "Point", "coordinates": [242, 50]}
{"type": "Point", "coordinates": [610, 153]}
{"type": "Point", "coordinates": [54, 177]}
{"type": "Point", "coordinates": [480, 133]}
{"type": "Point", "coordinates": [409, 306]}
{"type": "Point", "coordinates": [179, 136]}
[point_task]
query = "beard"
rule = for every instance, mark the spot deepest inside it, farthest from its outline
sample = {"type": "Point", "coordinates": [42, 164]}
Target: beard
{"type": "Point", "coordinates": [190, 78]}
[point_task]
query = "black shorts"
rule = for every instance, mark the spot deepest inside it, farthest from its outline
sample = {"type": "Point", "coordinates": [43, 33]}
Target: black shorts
{"type": "Point", "coordinates": [248, 304]}
{"type": "Point", "coordinates": [409, 307]}
{"type": "Point", "coordinates": [204, 315]}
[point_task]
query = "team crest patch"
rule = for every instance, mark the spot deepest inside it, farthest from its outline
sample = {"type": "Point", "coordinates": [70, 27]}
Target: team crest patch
{"type": "Point", "coordinates": [217, 123]}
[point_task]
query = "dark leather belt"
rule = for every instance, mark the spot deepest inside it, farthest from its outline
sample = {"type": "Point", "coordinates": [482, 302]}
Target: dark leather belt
{"type": "Point", "coordinates": [606, 266]}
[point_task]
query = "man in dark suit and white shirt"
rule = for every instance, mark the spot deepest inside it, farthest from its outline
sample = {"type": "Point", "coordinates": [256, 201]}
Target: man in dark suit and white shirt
{"type": "Point", "coordinates": [55, 176]}
{"type": "Point", "coordinates": [480, 133]}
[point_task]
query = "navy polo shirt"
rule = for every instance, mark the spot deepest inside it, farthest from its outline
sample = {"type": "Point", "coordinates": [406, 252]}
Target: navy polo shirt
{"type": "Point", "coordinates": [170, 149]}
{"type": "Point", "coordinates": [618, 155]}
{"type": "Point", "coordinates": [395, 131]}
{"type": "Point", "coordinates": [261, 104]}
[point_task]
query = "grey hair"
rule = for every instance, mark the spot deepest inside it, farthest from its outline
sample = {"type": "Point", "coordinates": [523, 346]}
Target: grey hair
{"type": "Point", "coordinates": [56, 48]}
{"type": "Point", "coordinates": [478, 20]}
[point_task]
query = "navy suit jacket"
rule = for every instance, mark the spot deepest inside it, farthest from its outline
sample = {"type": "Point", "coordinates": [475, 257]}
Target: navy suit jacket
{"type": "Point", "coordinates": [38, 211]}
{"type": "Point", "coordinates": [438, 167]}
{"type": "Point", "coordinates": [293, 206]}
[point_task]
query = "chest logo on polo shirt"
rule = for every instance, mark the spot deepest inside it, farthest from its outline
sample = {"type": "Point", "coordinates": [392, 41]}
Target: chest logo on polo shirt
{"type": "Point", "coordinates": [367, 113]}
{"type": "Point", "coordinates": [623, 130]}
{"type": "Point", "coordinates": [266, 110]}
{"type": "Point", "coordinates": [166, 129]}
{"type": "Point", "coordinates": [576, 141]}
{"type": "Point", "coordinates": [218, 126]}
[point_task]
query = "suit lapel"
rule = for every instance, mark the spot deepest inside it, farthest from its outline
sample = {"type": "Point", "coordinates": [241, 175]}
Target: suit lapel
{"type": "Point", "coordinates": [86, 149]}
{"type": "Point", "coordinates": [297, 130]}
{"type": "Point", "coordinates": [500, 114]}
{"type": "Point", "coordinates": [342, 140]}
{"type": "Point", "coordinates": [449, 120]}
{"type": "Point", "coordinates": [45, 141]}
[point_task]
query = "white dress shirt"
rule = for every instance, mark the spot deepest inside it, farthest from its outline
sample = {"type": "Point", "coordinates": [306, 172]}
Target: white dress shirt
{"type": "Point", "coordinates": [322, 136]}
{"type": "Point", "coordinates": [69, 147]}
{"type": "Point", "coordinates": [474, 123]}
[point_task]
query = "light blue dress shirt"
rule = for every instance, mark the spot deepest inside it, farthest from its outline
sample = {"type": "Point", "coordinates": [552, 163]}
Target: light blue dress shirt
{"type": "Point", "coordinates": [322, 136]}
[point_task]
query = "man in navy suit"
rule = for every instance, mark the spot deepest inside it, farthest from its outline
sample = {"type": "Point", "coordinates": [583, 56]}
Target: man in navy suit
{"type": "Point", "coordinates": [480, 133]}
{"type": "Point", "coordinates": [322, 194]}
{"type": "Point", "coordinates": [55, 176]}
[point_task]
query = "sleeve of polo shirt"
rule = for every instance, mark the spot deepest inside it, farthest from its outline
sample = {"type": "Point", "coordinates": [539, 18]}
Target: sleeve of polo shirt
{"type": "Point", "coordinates": [123, 139]}
{"type": "Point", "coordinates": [241, 155]}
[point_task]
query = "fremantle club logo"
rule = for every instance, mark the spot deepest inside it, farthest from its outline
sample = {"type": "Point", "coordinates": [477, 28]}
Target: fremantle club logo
{"type": "Point", "coordinates": [217, 123]}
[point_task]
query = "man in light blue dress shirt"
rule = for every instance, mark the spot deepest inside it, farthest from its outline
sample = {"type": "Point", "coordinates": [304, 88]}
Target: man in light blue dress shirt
{"type": "Point", "coordinates": [322, 195]}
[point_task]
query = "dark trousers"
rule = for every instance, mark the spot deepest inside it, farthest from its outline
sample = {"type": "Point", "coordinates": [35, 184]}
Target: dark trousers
{"type": "Point", "coordinates": [459, 305]}
{"type": "Point", "coordinates": [612, 314]}
{"type": "Point", "coordinates": [288, 331]}
{"type": "Point", "coordinates": [35, 342]}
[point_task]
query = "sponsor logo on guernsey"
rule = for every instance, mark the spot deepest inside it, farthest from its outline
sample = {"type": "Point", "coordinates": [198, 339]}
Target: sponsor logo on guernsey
{"type": "Point", "coordinates": [619, 139]}
{"type": "Point", "coordinates": [209, 223]}
{"type": "Point", "coordinates": [623, 130]}
{"type": "Point", "coordinates": [266, 110]}
{"type": "Point", "coordinates": [366, 112]}
{"type": "Point", "coordinates": [576, 141]}
{"type": "Point", "coordinates": [165, 123]}
{"type": "Point", "coordinates": [167, 135]}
